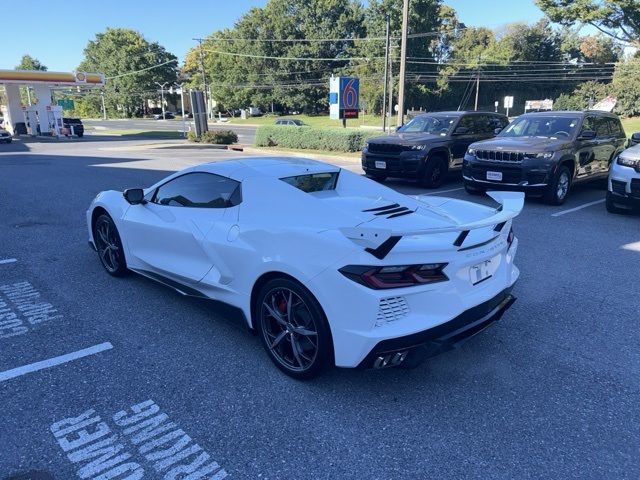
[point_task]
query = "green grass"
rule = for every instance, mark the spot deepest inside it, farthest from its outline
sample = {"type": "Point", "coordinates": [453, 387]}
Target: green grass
{"type": "Point", "coordinates": [311, 120]}
{"type": "Point", "coordinates": [631, 125]}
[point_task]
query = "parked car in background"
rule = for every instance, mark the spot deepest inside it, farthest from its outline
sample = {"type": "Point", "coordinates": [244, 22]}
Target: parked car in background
{"type": "Point", "coordinates": [545, 153]}
{"type": "Point", "coordinates": [167, 116]}
{"type": "Point", "coordinates": [428, 146]}
{"type": "Point", "coordinates": [623, 192]}
{"type": "Point", "coordinates": [73, 126]}
{"type": "Point", "coordinates": [290, 122]}
{"type": "Point", "coordinates": [5, 137]}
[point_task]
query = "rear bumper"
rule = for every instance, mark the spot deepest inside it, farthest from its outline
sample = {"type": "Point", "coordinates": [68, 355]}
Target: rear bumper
{"type": "Point", "coordinates": [428, 343]}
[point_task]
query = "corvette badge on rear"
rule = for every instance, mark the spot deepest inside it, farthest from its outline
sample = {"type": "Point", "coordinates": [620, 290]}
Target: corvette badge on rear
{"type": "Point", "coordinates": [328, 267]}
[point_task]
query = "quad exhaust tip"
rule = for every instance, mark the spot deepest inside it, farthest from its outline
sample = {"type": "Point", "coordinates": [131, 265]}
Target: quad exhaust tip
{"type": "Point", "coordinates": [390, 360]}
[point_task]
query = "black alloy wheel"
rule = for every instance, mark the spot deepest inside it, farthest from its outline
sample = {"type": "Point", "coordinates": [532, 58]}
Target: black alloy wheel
{"type": "Point", "coordinates": [109, 246]}
{"type": "Point", "coordinates": [435, 172]}
{"type": "Point", "coordinates": [293, 328]}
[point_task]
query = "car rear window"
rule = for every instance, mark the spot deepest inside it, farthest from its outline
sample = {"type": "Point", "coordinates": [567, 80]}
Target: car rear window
{"type": "Point", "coordinates": [313, 182]}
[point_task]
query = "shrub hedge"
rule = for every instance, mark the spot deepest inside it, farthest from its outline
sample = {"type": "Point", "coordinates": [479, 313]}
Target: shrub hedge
{"type": "Point", "coordinates": [219, 137]}
{"type": "Point", "coordinates": [330, 139]}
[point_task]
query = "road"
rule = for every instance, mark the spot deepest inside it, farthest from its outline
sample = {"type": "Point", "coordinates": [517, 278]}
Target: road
{"type": "Point", "coordinates": [246, 133]}
{"type": "Point", "coordinates": [551, 391]}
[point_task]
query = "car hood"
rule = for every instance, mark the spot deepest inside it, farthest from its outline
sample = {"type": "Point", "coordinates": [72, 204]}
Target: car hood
{"type": "Point", "coordinates": [523, 144]}
{"type": "Point", "coordinates": [407, 139]}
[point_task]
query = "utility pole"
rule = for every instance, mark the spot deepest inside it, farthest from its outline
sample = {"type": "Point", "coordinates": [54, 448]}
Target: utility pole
{"type": "Point", "coordinates": [390, 92]}
{"type": "Point", "coordinates": [386, 80]}
{"type": "Point", "coordinates": [477, 87]}
{"type": "Point", "coordinates": [162, 85]}
{"type": "Point", "coordinates": [184, 129]}
{"type": "Point", "coordinates": [204, 76]}
{"type": "Point", "coordinates": [403, 61]}
{"type": "Point", "coordinates": [104, 110]}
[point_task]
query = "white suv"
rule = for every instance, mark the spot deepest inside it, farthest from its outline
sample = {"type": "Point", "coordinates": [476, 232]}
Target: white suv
{"type": "Point", "coordinates": [623, 192]}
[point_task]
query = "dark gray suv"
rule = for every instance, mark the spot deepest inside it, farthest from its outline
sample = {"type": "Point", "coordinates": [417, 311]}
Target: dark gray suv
{"type": "Point", "coordinates": [428, 146]}
{"type": "Point", "coordinates": [545, 153]}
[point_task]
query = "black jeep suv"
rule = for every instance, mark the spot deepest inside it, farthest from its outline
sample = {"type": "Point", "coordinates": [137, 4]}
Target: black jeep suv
{"type": "Point", "coordinates": [428, 146]}
{"type": "Point", "coordinates": [545, 153]}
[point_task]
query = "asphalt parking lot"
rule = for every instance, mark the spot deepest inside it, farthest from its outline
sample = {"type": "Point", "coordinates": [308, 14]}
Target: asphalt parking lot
{"type": "Point", "coordinates": [550, 391]}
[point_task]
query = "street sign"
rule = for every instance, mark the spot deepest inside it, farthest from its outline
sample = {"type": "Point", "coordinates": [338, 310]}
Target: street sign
{"type": "Point", "coordinates": [66, 104]}
{"type": "Point", "coordinates": [508, 102]}
{"type": "Point", "coordinates": [344, 97]}
{"type": "Point", "coordinates": [546, 104]}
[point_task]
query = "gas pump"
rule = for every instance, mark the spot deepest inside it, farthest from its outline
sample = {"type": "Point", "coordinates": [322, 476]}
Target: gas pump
{"type": "Point", "coordinates": [54, 117]}
{"type": "Point", "coordinates": [31, 119]}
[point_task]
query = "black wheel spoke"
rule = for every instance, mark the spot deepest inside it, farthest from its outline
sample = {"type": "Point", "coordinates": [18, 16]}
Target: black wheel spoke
{"type": "Point", "coordinates": [289, 328]}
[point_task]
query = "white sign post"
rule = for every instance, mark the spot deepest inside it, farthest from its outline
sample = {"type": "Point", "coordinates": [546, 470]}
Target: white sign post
{"type": "Point", "coordinates": [508, 103]}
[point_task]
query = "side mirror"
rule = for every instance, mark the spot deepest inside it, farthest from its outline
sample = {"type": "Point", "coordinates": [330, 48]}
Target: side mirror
{"type": "Point", "coordinates": [134, 196]}
{"type": "Point", "coordinates": [461, 131]}
{"type": "Point", "coordinates": [498, 130]}
{"type": "Point", "coordinates": [587, 135]}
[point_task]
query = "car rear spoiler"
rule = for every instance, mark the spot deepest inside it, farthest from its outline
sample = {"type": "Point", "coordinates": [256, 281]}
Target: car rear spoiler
{"type": "Point", "coordinates": [380, 241]}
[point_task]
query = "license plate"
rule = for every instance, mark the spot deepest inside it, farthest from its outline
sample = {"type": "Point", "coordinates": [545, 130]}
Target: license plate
{"type": "Point", "coordinates": [494, 176]}
{"type": "Point", "coordinates": [381, 164]}
{"type": "Point", "coordinates": [480, 272]}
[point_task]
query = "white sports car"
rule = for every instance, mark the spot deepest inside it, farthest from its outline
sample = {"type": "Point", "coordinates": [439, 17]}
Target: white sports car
{"type": "Point", "coordinates": [328, 267]}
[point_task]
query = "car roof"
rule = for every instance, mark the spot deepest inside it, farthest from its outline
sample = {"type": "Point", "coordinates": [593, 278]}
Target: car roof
{"type": "Point", "coordinates": [266, 167]}
{"type": "Point", "coordinates": [570, 113]}
{"type": "Point", "coordinates": [457, 113]}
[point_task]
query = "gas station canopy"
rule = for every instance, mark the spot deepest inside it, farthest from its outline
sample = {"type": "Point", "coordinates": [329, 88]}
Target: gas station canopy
{"type": "Point", "coordinates": [41, 118]}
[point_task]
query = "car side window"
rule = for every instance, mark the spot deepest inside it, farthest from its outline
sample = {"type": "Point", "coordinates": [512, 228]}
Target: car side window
{"type": "Point", "coordinates": [589, 123]}
{"type": "Point", "coordinates": [469, 123]}
{"type": "Point", "coordinates": [615, 126]}
{"type": "Point", "coordinates": [602, 127]}
{"type": "Point", "coordinates": [198, 190]}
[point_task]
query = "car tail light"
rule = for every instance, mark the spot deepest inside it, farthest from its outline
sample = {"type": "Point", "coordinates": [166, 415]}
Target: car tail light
{"type": "Point", "coordinates": [511, 237]}
{"type": "Point", "coordinates": [395, 276]}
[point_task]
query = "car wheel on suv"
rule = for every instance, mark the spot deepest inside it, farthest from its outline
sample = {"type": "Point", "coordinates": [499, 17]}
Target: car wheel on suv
{"type": "Point", "coordinates": [559, 187]}
{"type": "Point", "coordinates": [435, 172]}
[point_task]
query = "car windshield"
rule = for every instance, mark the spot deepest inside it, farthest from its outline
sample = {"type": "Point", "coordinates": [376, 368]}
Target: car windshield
{"type": "Point", "coordinates": [547, 126]}
{"type": "Point", "coordinates": [314, 182]}
{"type": "Point", "coordinates": [428, 124]}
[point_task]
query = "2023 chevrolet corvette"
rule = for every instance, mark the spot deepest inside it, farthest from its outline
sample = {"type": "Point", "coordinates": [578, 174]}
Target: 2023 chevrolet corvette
{"type": "Point", "coordinates": [328, 267]}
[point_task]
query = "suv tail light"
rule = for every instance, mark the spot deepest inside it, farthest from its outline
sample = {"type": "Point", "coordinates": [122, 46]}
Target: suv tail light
{"type": "Point", "coordinates": [395, 276]}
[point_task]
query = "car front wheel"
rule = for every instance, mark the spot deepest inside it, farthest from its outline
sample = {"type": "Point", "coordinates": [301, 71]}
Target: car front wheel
{"type": "Point", "coordinates": [109, 246]}
{"type": "Point", "coordinates": [435, 172]}
{"type": "Point", "coordinates": [558, 189]}
{"type": "Point", "coordinates": [293, 328]}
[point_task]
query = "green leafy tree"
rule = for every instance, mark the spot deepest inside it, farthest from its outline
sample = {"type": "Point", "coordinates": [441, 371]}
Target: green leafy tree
{"type": "Point", "coordinates": [27, 62]}
{"type": "Point", "coordinates": [619, 19]}
{"type": "Point", "coordinates": [132, 66]}
{"type": "Point", "coordinates": [585, 94]}
{"type": "Point", "coordinates": [627, 88]}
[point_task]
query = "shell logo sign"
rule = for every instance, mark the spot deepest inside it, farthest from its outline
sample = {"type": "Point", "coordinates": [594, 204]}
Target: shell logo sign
{"type": "Point", "coordinates": [81, 77]}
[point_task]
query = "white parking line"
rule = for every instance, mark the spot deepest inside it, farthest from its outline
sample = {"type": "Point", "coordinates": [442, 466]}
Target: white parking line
{"type": "Point", "coordinates": [444, 191]}
{"type": "Point", "coordinates": [564, 212]}
{"type": "Point", "coordinates": [8, 260]}
{"type": "Point", "coordinates": [52, 362]}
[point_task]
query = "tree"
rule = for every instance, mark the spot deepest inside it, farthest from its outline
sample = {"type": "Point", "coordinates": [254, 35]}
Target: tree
{"type": "Point", "coordinates": [619, 19]}
{"type": "Point", "coordinates": [132, 66]}
{"type": "Point", "coordinates": [585, 94]}
{"type": "Point", "coordinates": [600, 49]}
{"type": "Point", "coordinates": [27, 62]}
{"type": "Point", "coordinates": [627, 88]}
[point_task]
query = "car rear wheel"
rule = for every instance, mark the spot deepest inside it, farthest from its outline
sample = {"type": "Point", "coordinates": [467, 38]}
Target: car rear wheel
{"type": "Point", "coordinates": [293, 328]}
{"type": "Point", "coordinates": [435, 172]}
{"type": "Point", "coordinates": [109, 246]}
{"type": "Point", "coordinates": [558, 190]}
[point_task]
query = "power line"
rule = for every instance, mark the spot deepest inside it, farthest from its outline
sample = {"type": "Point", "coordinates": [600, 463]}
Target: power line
{"type": "Point", "coordinates": [141, 70]}
{"type": "Point", "coordinates": [308, 59]}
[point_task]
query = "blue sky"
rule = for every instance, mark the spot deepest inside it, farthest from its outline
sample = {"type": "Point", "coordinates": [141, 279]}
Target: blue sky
{"type": "Point", "coordinates": [57, 36]}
